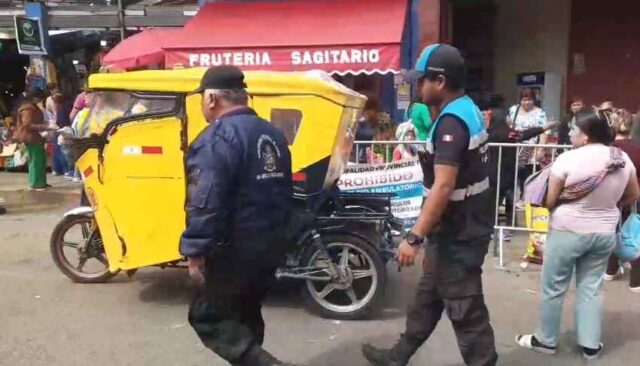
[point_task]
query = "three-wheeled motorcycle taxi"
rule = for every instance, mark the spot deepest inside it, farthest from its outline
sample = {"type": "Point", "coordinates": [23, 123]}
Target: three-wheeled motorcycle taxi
{"type": "Point", "coordinates": [131, 159]}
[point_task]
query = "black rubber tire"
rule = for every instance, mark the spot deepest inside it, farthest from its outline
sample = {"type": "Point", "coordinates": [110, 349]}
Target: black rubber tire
{"type": "Point", "coordinates": [364, 312]}
{"type": "Point", "coordinates": [56, 252]}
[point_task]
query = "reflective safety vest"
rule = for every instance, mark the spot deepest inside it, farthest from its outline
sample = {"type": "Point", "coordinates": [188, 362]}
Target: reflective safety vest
{"type": "Point", "coordinates": [470, 212]}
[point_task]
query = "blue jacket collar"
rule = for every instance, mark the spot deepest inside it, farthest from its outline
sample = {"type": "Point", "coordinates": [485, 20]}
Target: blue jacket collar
{"type": "Point", "coordinates": [237, 112]}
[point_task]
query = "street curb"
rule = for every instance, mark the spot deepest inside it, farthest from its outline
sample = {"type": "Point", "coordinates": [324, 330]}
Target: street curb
{"type": "Point", "coordinates": [24, 200]}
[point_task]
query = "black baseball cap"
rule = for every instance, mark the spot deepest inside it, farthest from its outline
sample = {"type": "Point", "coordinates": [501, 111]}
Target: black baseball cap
{"type": "Point", "coordinates": [222, 77]}
{"type": "Point", "coordinates": [439, 59]}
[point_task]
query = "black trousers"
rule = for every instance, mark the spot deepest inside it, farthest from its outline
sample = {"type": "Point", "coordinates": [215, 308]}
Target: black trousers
{"type": "Point", "coordinates": [227, 311]}
{"type": "Point", "coordinates": [455, 286]}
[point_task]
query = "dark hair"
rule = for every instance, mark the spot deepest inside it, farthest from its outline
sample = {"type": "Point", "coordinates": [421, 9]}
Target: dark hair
{"type": "Point", "coordinates": [596, 125]}
{"type": "Point", "coordinates": [452, 82]}
{"type": "Point", "coordinates": [496, 101]}
{"type": "Point", "coordinates": [527, 93]}
{"type": "Point", "coordinates": [577, 99]}
{"type": "Point", "coordinates": [35, 93]}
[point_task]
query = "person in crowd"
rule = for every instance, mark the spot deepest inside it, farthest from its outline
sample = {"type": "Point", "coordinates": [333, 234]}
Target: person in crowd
{"type": "Point", "coordinates": [367, 129]}
{"type": "Point", "coordinates": [4, 136]}
{"type": "Point", "coordinates": [522, 116]}
{"type": "Point", "coordinates": [79, 104]}
{"type": "Point", "coordinates": [30, 127]}
{"type": "Point", "coordinates": [49, 104]}
{"type": "Point", "coordinates": [58, 117]}
{"type": "Point", "coordinates": [382, 153]}
{"type": "Point", "coordinates": [420, 116]}
{"type": "Point", "coordinates": [457, 219]}
{"type": "Point", "coordinates": [405, 132]}
{"type": "Point", "coordinates": [607, 105]}
{"type": "Point", "coordinates": [622, 123]}
{"type": "Point", "coordinates": [566, 124]}
{"type": "Point", "coordinates": [585, 186]}
{"type": "Point", "coordinates": [238, 212]}
{"type": "Point", "coordinates": [78, 129]}
{"type": "Point", "coordinates": [630, 144]}
{"type": "Point", "coordinates": [497, 108]}
{"type": "Point", "coordinates": [500, 132]}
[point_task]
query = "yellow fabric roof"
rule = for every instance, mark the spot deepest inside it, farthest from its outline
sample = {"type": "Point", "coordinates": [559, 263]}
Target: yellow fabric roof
{"type": "Point", "coordinates": [259, 82]}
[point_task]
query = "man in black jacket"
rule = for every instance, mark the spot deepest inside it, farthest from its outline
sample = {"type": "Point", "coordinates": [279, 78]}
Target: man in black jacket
{"type": "Point", "coordinates": [238, 208]}
{"type": "Point", "coordinates": [577, 105]}
{"type": "Point", "coordinates": [500, 132]}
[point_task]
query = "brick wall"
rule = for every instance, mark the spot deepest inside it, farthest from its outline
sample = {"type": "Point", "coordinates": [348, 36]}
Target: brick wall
{"type": "Point", "coordinates": [606, 36]}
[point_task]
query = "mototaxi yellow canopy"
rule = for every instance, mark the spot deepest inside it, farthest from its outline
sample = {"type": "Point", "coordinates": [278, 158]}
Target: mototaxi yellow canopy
{"type": "Point", "coordinates": [259, 83]}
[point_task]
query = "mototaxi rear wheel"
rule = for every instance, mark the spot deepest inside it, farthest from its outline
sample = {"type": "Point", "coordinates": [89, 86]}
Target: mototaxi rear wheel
{"type": "Point", "coordinates": [361, 286]}
{"type": "Point", "coordinates": [77, 235]}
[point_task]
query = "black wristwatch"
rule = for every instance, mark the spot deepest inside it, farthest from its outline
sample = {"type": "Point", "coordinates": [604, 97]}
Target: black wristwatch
{"type": "Point", "coordinates": [413, 239]}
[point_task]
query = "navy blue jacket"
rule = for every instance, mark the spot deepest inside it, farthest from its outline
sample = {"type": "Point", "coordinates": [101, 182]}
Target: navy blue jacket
{"type": "Point", "coordinates": [239, 182]}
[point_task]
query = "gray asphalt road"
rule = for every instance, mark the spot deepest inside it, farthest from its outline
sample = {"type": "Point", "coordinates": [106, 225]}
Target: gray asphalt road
{"type": "Point", "coordinates": [47, 320]}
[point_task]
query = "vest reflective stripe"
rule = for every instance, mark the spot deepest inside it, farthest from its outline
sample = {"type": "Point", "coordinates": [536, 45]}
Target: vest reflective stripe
{"type": "Point", "coordinates": [463, 193]}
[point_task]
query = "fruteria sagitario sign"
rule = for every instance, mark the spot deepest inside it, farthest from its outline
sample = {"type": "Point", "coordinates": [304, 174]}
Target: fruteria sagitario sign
{"type": "Point", "coordinates": [340, 59]}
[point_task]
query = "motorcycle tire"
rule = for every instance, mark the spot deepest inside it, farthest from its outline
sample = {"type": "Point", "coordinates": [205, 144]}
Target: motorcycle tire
{"type": "Point", "coordinates": [57, 237]}
{"type": "Point", "coordinates": [368, 308]}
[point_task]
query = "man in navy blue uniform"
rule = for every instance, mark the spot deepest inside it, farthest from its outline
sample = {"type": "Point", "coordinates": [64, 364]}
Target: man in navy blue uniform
{"type": "Point", "coordinates": [457, 219]}
{"type": "Point", "coordinates": [238, 209]}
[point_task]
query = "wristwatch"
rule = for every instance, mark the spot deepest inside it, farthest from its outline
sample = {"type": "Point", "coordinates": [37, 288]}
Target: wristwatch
{"type": "Point", "coordinates": [413, 239]}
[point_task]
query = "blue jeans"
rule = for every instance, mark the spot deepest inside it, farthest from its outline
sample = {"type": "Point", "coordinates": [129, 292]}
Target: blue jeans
{"type": "Point", "coordinates": [59, 160]}
{"type": "Point", "coordinates": [588, 255]}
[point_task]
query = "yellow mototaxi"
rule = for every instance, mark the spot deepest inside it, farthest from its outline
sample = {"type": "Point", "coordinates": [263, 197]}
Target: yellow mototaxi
{"type": "Point", "coordinates": [131, 157]}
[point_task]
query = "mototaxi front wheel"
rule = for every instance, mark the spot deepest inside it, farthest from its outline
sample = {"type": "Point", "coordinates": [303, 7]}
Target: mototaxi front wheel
{"type": "Point", "coordinates": [358, 289]}
{"type": "Point", "coordinates": [77, 250]}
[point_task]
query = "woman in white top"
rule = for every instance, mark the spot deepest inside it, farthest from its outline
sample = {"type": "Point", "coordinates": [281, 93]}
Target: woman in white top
{"type": "Point", "coordinates": [524, 116]}
{"type": "Point", "coordinates": [583, 231]}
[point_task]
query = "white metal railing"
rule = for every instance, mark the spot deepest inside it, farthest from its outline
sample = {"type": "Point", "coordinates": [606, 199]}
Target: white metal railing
{"type": "Point", "coordinates": [389, 146]}
{"type": "Point", "coordinates": [511, 223]}
{"type": "Point", "coordinates": [550, 152]}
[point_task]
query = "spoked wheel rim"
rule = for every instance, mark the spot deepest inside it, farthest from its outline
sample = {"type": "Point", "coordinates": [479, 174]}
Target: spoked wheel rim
{"type": "Point", "coordinates": [360, 279]}
{"type": "Point", "coordinates": [81, 251]}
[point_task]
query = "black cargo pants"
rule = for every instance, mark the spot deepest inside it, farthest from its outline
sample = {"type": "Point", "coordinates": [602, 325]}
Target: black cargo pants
{"type": "Point", "coordinates": [452, 282]}
{"type": "Point", "coordinates": [227, 311]}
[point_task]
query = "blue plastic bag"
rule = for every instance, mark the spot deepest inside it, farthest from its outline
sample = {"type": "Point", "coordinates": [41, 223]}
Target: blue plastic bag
{"type": "Point", "coordinates": [628, 247]}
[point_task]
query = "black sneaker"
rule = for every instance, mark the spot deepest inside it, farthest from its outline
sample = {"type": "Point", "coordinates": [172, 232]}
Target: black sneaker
{"type": "Point", "coordinates": [592, 354]}
{"type": "Point", "coordinates": [380, 357]}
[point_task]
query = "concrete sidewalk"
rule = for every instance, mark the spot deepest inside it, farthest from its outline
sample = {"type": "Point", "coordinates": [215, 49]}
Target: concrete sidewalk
{"type": "Point", "coordinates": [17, 199]}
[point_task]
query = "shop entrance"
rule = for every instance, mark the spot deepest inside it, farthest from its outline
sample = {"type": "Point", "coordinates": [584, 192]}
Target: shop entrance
{"type": "Point", "coordinates": [472, 30]}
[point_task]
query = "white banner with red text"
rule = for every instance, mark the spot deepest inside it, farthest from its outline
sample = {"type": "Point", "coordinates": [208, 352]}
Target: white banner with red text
{"type": "Point", "coordinates": [403, 179]}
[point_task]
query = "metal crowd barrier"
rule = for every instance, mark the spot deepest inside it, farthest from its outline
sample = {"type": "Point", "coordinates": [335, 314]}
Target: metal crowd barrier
{"type": "Point", "coordinates": [550, 151]}
{"type": "Point", "coordinates": [511, 223]}
{"type": "Point", "coordinates": [388, 147]}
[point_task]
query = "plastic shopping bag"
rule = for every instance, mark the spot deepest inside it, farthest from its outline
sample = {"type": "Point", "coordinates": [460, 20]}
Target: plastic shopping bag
{"type": "Point", "coordinates": [628, 247]}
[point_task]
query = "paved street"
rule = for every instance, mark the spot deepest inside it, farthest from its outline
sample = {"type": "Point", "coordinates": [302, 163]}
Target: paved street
{"type": "Point", "coordinates": [47, 320]}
